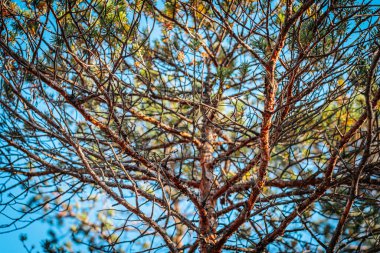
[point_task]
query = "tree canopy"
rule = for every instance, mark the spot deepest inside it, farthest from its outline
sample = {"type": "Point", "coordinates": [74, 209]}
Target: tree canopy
{"type": "Point", "coordinates": [191, 126]}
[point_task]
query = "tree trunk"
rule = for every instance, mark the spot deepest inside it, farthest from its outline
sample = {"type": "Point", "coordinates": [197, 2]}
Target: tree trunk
{"type": "Point", "coordinates": [208, 221]}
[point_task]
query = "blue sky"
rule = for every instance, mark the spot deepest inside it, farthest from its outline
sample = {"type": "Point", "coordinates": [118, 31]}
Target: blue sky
{"type": "Point", "coordinates": [10, 242]}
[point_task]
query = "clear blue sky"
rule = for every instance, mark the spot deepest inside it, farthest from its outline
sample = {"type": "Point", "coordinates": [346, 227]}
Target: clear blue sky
{"type": "Point", "coordinates": [10, 242]}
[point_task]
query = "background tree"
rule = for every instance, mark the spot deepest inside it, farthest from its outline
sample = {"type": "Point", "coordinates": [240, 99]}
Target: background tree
{"type": "Point", "coordinates": [192, 125]}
